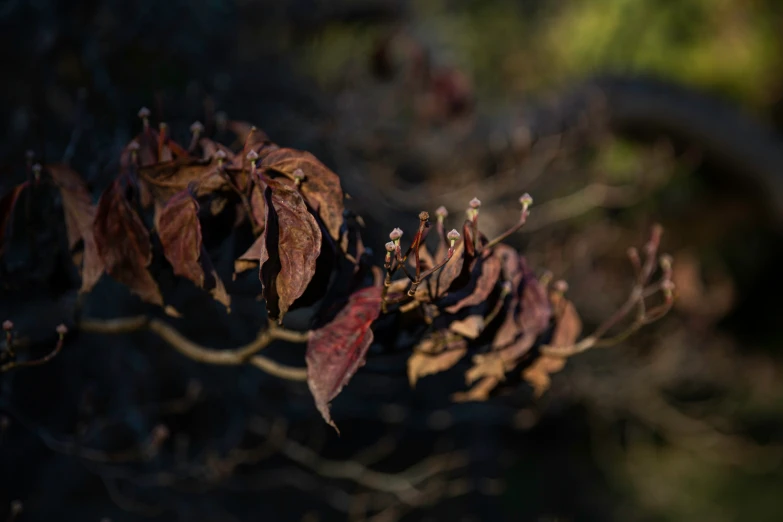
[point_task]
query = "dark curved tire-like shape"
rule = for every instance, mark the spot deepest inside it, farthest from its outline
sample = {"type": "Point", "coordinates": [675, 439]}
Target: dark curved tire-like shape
{"type": "Point", "coordinates": [745, 149]}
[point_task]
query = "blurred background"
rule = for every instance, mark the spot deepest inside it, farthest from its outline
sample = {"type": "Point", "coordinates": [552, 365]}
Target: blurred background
{"type": "Point", "coordinates": [613, 114]}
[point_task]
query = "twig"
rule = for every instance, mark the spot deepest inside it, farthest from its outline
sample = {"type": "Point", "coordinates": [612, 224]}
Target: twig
{"type": "Point", "coordinates": [242, 355]}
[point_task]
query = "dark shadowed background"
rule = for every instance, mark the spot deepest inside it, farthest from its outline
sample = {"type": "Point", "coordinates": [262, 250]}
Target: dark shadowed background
{"type": "Point", "coordinates": [613, 114]}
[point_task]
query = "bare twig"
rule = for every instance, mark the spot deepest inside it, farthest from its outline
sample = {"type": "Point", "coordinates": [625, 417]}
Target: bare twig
{"type": "Point", "coordinates": [243, 355]}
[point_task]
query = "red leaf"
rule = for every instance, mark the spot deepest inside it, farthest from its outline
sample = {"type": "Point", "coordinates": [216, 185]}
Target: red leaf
{"type": "Point", "coordinates": [124, 244]}
{"type": "Point", "coordinates": [7, 204]}
{"type": "Point", "coordinates": [337, 350]}
{"type": "Point", "coordinates": [290, 246]}
{"type": "Point", "coordinates": [79, 218]}
{"type": "Point", "coordinates": [180, 233]}
{"type": "Point", "coordinates": [320, 186]}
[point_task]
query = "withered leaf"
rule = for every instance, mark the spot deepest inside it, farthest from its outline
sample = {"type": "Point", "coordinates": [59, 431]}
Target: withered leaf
{"type": "Point", "coordinates": [166, 179]}
{"type": "Point", "coordinates": [7, 205]}
{"type": "Point", "coordinates": [490, 272]}
{"type": "Point", "coordinates": [79, 218]}
{"type": "Point", "coordinates": [535, 310]}
{"type": "Point", "coordinates": [479, 392]}
{"type": "Point", "coordinates": [421, 363]}
{"type": "Point", "coordinates": [291, 244]}
{"type": "Point", "coordinates": [320, 186]}
{"type": "Point", "coordinates": [209, 149]}
{"type": "Point", "coordinates": [124, 244]}
{"type": "Point", "coordinates": [147, 151]}
{"type": "Point", "coordinates": [337, 350]}
{"type": "Point", "coordinates": [180, 234]}
{"type": "Point", "coordinates": [568, 324]}
{"type": "Point", "coordinates": [538, 373]}
{"type": "Point", "coordinates": [469, 327]}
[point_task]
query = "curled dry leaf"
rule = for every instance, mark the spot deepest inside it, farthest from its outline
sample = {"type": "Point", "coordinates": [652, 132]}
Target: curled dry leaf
{"type": "Point", "coordinates": [479, 392]}
{"type": "Point", "coordinates": [469, 327]}
{"type": "Point", "coordinates": [538, 373]}
{"type": "Point", "coordinates": [180, 234]}
{"type": "Point", "coordinates": [568, 324]}
{"type": "Point", "coordinates": [320, 186]}
{"type": "Point", "coordinates": [434, 355]}
{"type": "Point", "coordinates": [487, 279]}
{"type": "Point", "coordinates": [79, 218]}
{"type": "Point", "coordinates": [7, 205]}
{"type": "Point", "coordinates": [164, 180]}
{"type": "Point", "coordinates": [288, 249]}
{"type": "Point", "coordinates": [337, 350]}
{"type": "Point", "coordinates": [124, 244]}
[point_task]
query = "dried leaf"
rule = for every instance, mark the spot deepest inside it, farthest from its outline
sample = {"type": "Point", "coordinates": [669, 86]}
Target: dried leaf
{"type": "Point", "coordinates": [124, 244]}
{"type": "Point", "coordinates": [337, 350]}
{"type": "Point", "coordinates": [291, 244]}
{"type": "Point", "coordinates": [490, 272]}
{"type": "Point", "coordinates": [535, 310]}
{"type": "Point", "coordinates": [79, 218]}
{"type": "Point", "coordinates": [470, 327]}
{"type": "Point", "coordinates": [421, 364]}
{"type": "Point", "coordinates": [180, 234]}
{"type": "Point", "coordinates": [568, 324]}
{"type": "Point", "coordinates": [166, 179]}
{"type": "Point", "coordinates": [320, 186]}
{"type": "Point", "coordinates": [210, 148]}
{"type": "Point", "coordinates": [486, 365]}
{"type": "Point", "coordinates": [479, 392]}
{"type": "Point", "coordinates": [147, 151]}
{"type": "Point", "coordinates": [537, 374]}
{"type": "Point", "coordinates": [7, 205]}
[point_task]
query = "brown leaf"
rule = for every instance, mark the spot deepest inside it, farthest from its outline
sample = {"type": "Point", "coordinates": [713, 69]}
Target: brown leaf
{"type": "Point", "coordinates": [166, 179]}
{"type": "Point", "coordinates": [535, 311]}
{"type": "Point", "coordinates": [479, 392]}
{"type": "Point", "coordinates": [209, 149]}
{"type": "Point", "coordinates": [423, 361]}
{"type": "Point", "coordinates": [180, 234]}
{"type": "Point", "coordinates": [147, 151]}
{"type": "Point", "coordinates": [490, 272]}
{"type": "Point", "coordinates": [258, 206]}
{"type": "Point", "coordinates": [568, 324]}
{"type": "Point", "coordinates": [253, 257]}
{"type": "Point", "coordinates": [124, 244]}
{"type": "Point", "coordinates": [291, 244]}
{"type": "Point", "coordinates": [470, 327]}
{"type": "Point", "coordinates": [337, 350]}
{"type": "Point", "coordinates": [320, 186]}
{"type": "Point", "coordinates": [7, 205]}
{"type": "Point", "coordinates": [79, 218]}
{"type": "Point", "coordinates": [537, 374]}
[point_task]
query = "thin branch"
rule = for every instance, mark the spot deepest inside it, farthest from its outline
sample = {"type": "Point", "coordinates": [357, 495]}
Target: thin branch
{"type": "Point", "coordinates": [242, 355]}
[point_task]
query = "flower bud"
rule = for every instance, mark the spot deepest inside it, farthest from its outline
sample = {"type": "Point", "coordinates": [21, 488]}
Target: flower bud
{"type": "Point", "coordinates": [390, 246]}
{"type": "Point", "coordinates": [196, 127]}
{"type": "Point", "coordinates": [395, 234]}
{"type": "Point", "coordinates": [526, 200]}
{"type": "Point", "coordinates": [8, 325]}
{"type": "Point", "coordinates": [61, 329]}
{"type": "Point", "coordinates": [442, 213]}
{"type": "Point", "coordinates": [252, 155]}
{"type": "Point", "coordinates": [475, 203]}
